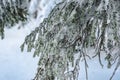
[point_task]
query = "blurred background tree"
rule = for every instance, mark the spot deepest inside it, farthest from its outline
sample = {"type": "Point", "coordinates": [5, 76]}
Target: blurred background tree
{"type": "Point", "coordinates": [12, 12]}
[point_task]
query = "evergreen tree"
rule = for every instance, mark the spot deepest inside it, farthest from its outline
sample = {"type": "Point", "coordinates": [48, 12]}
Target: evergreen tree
{"type": "Point", "coordinates": [73, 27]}
{"type": "Point", "coordinates": [12, 12]}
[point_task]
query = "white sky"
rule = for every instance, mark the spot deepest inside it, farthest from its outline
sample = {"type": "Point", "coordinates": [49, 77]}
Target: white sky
{"type": "Point", "coordinates": [17, 65]}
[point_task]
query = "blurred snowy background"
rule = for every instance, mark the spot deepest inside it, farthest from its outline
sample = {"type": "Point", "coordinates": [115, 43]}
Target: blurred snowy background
{"type": "Point", "coordinates": [17, 65]}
